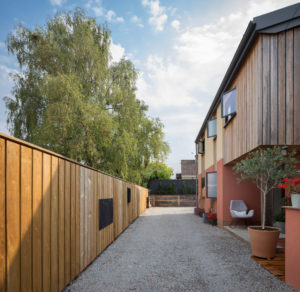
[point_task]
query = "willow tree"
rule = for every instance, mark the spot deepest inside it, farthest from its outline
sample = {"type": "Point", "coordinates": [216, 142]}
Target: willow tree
{"type": "Point", "coordinates": [69, 97]}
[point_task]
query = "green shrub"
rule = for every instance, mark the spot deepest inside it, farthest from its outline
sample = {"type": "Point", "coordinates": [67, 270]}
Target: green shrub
{"type": "Point", "coordinates": [280, 217]}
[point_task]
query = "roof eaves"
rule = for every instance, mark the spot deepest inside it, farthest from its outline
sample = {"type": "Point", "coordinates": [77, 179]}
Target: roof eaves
{"type": "Point", "coordinates": [272, 22]}
{"type": "Point", "coordinates": [242, 49]}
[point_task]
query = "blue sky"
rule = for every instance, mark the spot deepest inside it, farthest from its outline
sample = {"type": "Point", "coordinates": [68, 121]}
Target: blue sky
{"type": "Point", "coordinates": [180, 48]}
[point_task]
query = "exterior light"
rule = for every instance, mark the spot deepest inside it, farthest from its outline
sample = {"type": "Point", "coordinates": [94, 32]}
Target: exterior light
{"type": "Point", "coordinates": [284, 150]}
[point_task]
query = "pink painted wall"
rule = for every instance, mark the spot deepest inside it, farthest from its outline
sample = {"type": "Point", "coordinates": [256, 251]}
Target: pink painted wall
{"type": "Point", "coordinates": [206, 203]}
{"type": "Point", "coordinates": [231, 190]}
{"type": "Point", "coordinates": [292, 247]}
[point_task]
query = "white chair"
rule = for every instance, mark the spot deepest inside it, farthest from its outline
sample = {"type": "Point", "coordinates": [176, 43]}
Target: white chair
{"type": "Point", "coordinates": [239, 210]}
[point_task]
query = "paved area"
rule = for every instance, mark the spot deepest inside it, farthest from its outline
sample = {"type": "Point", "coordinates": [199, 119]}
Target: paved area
{"type": "Point", "coordinates": [171, 249]}
{"type": "Point", "coordinates": [242, 232]}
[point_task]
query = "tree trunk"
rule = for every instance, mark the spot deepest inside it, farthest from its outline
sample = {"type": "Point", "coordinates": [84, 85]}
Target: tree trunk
{"type": "Point", "coordinates": [264, 211]}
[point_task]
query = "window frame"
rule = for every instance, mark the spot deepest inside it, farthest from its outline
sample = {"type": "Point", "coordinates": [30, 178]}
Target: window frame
{"type": "Point", "coordinates": [206, 180]}
{"type": "Point", "coordinates": [203, 143]}
{"type": "Point", "coordinates": [222, 106]}
{"type": "Point", "coordinates": [208, 136]}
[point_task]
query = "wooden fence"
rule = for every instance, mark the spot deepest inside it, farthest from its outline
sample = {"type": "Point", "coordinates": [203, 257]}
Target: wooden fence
{"type": "Point", "coordinates": [49, 216]}
{"type": "Point", "coordinates": [173, 200]}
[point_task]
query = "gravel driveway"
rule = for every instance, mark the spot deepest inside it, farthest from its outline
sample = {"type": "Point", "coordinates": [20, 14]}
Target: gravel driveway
{"type": "Point", "coordinates": [171, 249]}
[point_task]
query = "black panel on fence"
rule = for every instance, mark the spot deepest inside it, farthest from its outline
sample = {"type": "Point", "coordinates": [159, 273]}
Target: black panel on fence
{"type": "Point", "coordinates": [105, 212]}
{"type": "Point", "coordinates": [128, 195]}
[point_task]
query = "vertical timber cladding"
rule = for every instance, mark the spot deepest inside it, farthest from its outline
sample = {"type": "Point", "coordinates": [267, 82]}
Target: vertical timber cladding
{"type": "Point", "coordinates": [268, 96]}
{"type": "Point", "coordinates": [2, 217]}
{"type": "Point", "coordinates": [105, 211]}
{"type": "Point", "coordinates": [49, 216]}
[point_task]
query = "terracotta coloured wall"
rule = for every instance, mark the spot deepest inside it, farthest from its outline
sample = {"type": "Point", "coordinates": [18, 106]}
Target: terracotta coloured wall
{"type": "Point", "coordinates": [292, 251]}
{"type": "Point", "coordinates": [231, 190]}
{"type": "Point", "coordinates": [204, 202]}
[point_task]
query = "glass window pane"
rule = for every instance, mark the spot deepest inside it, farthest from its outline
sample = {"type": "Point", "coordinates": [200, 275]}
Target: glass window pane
{"type": "Point", "coordinates": [212, 128]}
{"type": "Point", "coordinates": [229, 103]}
{"type": "Point", "coordinates": [201, 146]}
{"type": "Point", "coordinates": [211, 184]}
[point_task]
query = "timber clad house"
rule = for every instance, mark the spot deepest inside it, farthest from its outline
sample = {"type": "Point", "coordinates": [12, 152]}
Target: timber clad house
{"type": "Point", "coordinates": [257, 105]}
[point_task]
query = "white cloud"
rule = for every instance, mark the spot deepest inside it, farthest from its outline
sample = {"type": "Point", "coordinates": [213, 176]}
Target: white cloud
{"type": "Point", "coordinates": [117, 52]}
{"type": "Point", "coordinates": [2, 45]}
{"type": "Point", "coordinates": [137, 20]}
{"type": "Point", "coordinates": [99, 11]}
{"type": "Point", "coordinates": [111, 16]}
{"type": "Point", "coordinates": [158, 16]}
{"type": "Point", "coordinates": [57, 2]}
{"type": "Point", "coordinates": [181, 87]}
{"type": "Point", "coordinates": [175, 24]}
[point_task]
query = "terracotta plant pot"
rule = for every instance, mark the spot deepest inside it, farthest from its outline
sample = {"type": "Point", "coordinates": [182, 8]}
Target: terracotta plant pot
{"type": "Point", "coordinates": [263, 242]}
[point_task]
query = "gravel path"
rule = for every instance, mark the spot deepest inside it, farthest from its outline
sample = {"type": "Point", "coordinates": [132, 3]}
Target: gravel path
{"type": "Point", "coordinates": [170, 249]}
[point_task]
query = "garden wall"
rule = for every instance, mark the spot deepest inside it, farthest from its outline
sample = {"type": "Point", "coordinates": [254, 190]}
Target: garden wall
{"type": "Point", "coordinates": [50, 216]}
{"type": "Point", "coordinates": [173, 186]}
{"type": "Point", "coordinates": [173, 200]}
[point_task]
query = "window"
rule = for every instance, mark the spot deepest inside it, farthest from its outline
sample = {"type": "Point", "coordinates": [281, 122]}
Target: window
{"type": "Point", "coordinates": [201, 147]}
{"type": "Point", "coordinates": [212, 128]}
{"type": "Point", "coordinates": [202, 182]}
{"type": "Point", "coordinates": [229, 103]}
{"type": "Point", "coordinates": [211, 184]}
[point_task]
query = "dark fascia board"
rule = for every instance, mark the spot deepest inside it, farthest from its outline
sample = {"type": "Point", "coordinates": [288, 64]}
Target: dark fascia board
{"type": "Point", "coordinates": [278, 16]}
{"type": "Point", "coordinates": [285, 16]}
{"type": "Point", "coordinates": [281, 26]}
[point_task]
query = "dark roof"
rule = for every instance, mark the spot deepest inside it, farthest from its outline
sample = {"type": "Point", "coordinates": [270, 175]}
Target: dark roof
{"type": "Point", "coordinates": [273, 22]}
{"type": "Point", "coordinates": [188, 167]}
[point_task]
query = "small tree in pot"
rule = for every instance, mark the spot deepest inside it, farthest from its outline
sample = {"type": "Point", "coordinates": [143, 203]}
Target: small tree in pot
{"type": "Point", "coordinates": [266, 168]}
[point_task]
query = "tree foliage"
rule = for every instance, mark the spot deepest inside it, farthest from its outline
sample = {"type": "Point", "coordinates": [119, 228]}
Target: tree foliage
{"type": "Point", "coordinates": [69, 97]}
{"type": "Point", "coordinates": [156, 170]}
{"type": "Point", "coordinates": [266, 168]}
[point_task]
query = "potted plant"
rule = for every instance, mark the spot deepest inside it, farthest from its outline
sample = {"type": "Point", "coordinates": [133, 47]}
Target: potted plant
{"type": "Point", "coordinates": [205, 219]}
{"type": "Point", "coordinates": [212, 218]}
{"type": "Point", "coordinates": [292, 187]}
{"type": "Point", "coordinates": [266, 168]}
{"type": "Point", "coordinates": [279, 219]}
{"type": "Point", "coordinates": [201, 211]}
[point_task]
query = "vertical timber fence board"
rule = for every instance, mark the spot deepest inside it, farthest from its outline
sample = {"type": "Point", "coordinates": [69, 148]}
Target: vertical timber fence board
{"type": "Point", "coordinates": [54, 224]}
{"type": "Point", "coordinates": [72, 224]}
{"type": "Point", "coordinates": [61, 225]}
{"type": "Point", "coordinates": [2, 217]}
{"type": "Point", "coordinates": [37, 194]}
{"type": "Point", "coordinates": [13, 217]}
{"type": "Point", "coordinates": [46, 222]}
{"type": "Point", "coordinates": [26, 218]}
{"type": "Point", "coordinates": [67, 224]}
{"type": "Point", "coordinates": [49, 219]}
{"type": "Point", "coordinates": [77, 220]}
